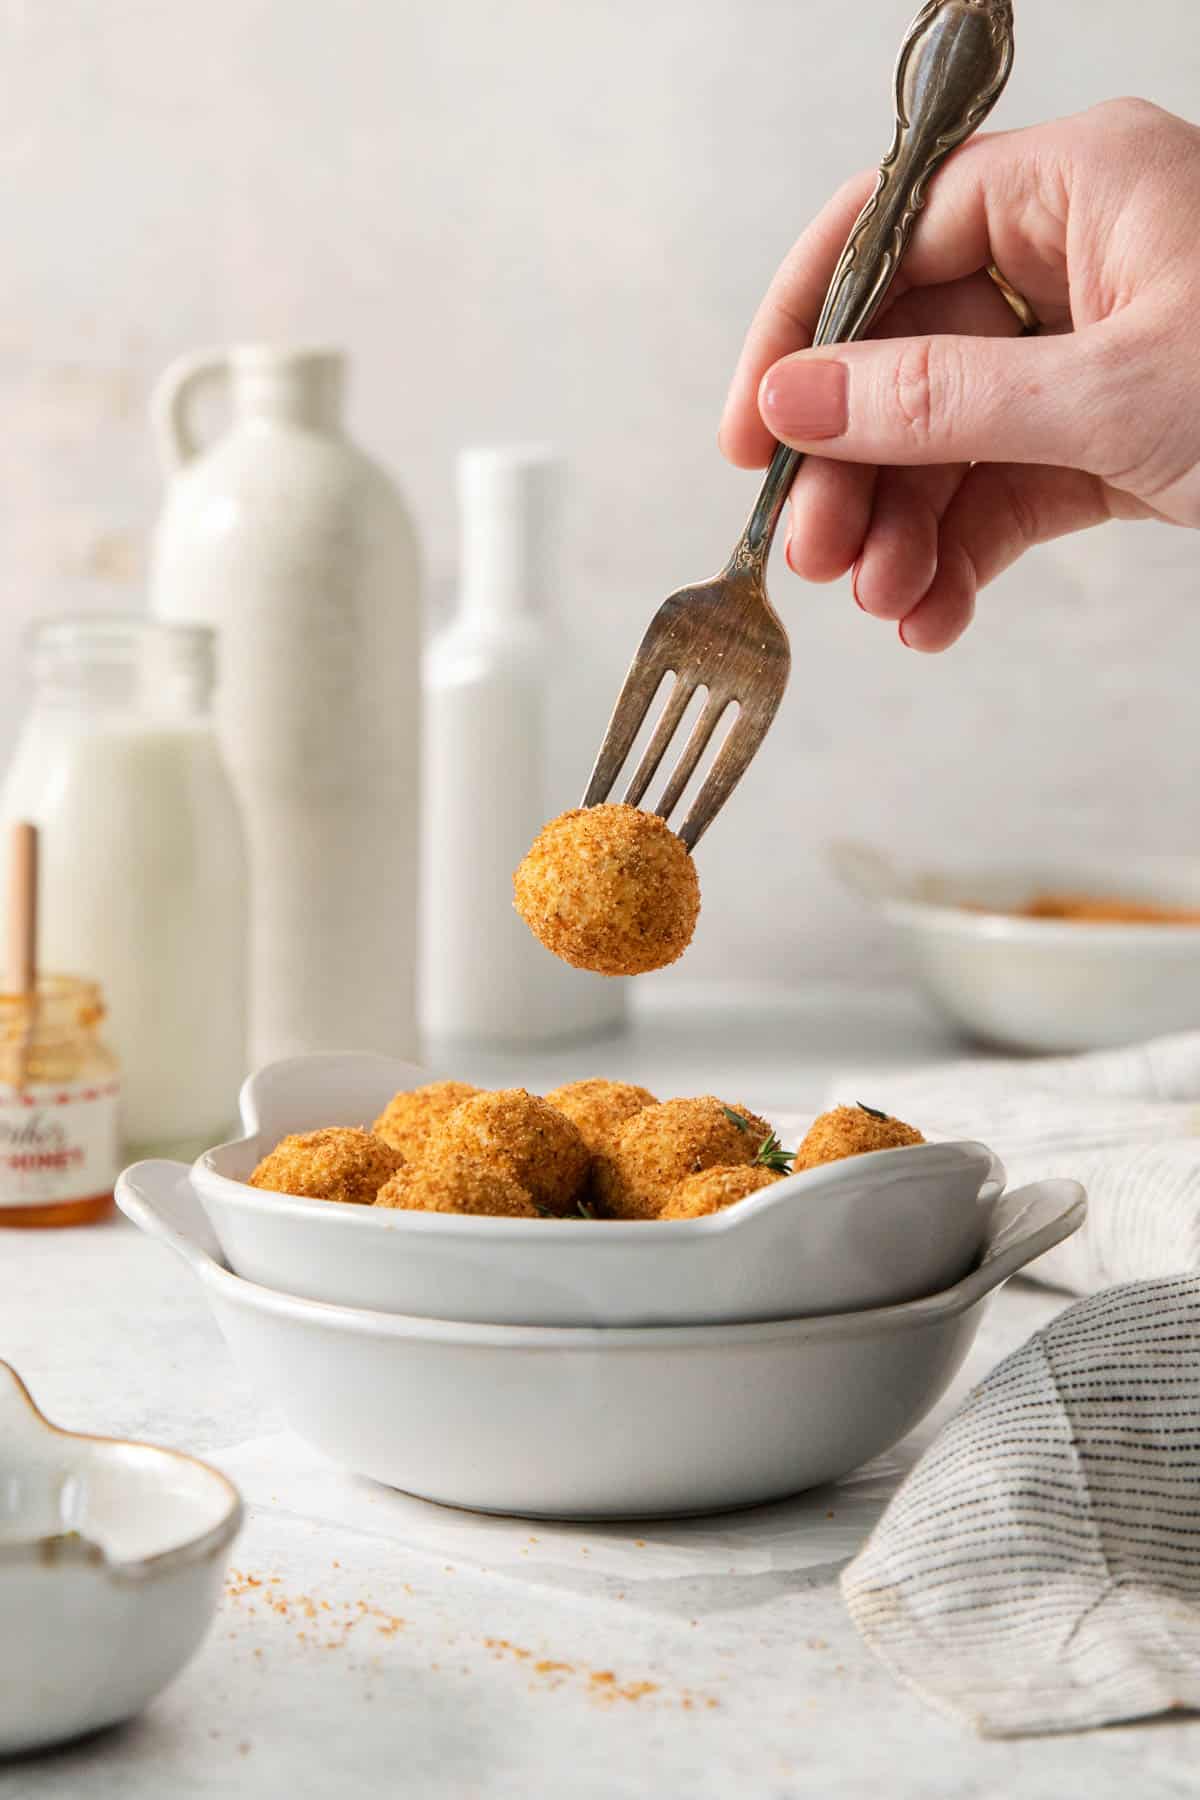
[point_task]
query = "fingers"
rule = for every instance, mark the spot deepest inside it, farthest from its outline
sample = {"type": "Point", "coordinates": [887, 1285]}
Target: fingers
{"type": "Point", "coordinates": [842, 514]}
{"type": "Point", "coordinates": [998, 512]}
{"type": "Point", "coordinates": [899, 558]}
{"type": "Point", "coordinates": [1000, 197]}
{"type": "Point", "coordinates": [829, 514]}
{"type": "Point", "coordinates": [946, 399]}
{"type": "Point", "coordinates": [785, 321]}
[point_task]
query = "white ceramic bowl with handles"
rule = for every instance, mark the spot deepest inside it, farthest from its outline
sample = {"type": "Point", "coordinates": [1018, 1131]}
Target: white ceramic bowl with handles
{"type": "Point", "coordinates": [1045, 985]}
{"type": "Point", "coordinates": [598, 1423]}
{"type": "Point", "coordinates": [112, 1558]}
{"type": "Point", "coordinates": [869, 1231]}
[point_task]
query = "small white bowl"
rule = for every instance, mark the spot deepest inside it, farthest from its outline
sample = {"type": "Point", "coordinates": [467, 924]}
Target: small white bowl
{"type": "Point", "coordinates": [868, 1231]}
{"type": "Point", "coordinates": [1046, 985]}
{"type": "Point", "coordinates": [598, 1423]}
{"type": "Point", "coordinates": [112, 1557]}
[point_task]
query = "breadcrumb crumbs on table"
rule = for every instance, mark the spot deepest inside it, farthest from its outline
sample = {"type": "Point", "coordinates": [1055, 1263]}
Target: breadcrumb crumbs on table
{"type": "Point", "coordinates": [602, 1685]}
{"type": "Point", "coordinates": [302, 1610]}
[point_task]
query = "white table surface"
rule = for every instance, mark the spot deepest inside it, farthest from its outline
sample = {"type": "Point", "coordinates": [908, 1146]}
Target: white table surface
{"type": "Point", "coordinates": [761, 1686]}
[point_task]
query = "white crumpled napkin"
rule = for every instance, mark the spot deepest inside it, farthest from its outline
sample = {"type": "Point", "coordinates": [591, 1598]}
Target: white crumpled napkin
{"type": "Point", "coordinates": [1039, 1570]}
{"type": "Point", "coordinates": [1126, 1123]}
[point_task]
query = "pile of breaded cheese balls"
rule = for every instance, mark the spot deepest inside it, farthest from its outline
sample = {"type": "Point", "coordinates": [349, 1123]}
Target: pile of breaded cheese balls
{"type": "Point", "coordinates": [593, 1149]}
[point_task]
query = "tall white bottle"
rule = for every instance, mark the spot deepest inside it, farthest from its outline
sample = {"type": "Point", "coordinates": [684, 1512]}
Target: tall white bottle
{"type": "Point", "coordinates": [484, 978]}
{"type": "Point", "coordinates": [299, 549]}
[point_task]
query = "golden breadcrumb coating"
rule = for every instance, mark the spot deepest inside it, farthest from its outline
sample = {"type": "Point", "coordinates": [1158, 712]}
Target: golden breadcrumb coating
{"type": "Point", "coordinates": [850, 1131]}
{"type": "Point", "coordinates": [609, 888]}
{"type": "Point", "coordinates": [408, 1119]}
{"type": "Point", "coordinates": [662, 1145]}
{"type": "Point", "coordinates": [338, 1163]}
{"type": "Point", "coordinates": [521, 1133]}
{"type": "Point", "coordinates": [600, 1108]}
{"type": "Point", "coordinates": [712, 1191]}
{"type": "Point", "coordinates": [457, 1183]}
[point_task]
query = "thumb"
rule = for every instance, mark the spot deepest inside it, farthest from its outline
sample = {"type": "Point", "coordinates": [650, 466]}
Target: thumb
{"type": "Point", "coordinates": [1056, 400]}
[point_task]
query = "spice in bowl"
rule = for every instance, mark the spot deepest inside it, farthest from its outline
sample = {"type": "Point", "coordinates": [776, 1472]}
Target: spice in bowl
{"type": "Point", "coordinates": [1105, 909]}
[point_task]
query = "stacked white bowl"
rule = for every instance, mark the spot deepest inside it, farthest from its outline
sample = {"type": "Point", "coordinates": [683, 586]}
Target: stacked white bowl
{"type": "Point", "coordinates": [595, 1368]}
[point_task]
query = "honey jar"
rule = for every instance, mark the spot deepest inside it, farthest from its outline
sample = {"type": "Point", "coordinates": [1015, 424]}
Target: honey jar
{"type": "Point", "coordinates": [59, 1105]}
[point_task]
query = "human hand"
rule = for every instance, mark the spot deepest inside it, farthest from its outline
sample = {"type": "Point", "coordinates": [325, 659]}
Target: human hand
{"type": "Point", "coordinates": [943, 448]}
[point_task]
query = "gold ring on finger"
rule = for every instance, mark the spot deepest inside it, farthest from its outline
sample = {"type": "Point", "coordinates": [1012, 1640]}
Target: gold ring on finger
{"type": "Point", "coordinates": [1030, 323]}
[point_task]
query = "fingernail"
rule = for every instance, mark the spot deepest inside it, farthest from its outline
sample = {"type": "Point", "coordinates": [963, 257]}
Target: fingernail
{"type": "Point", "coordinates": [787, 550]}
{"type": "Point", "coordinates": [854, 587]}
{"type": "Point", "coordinates": [903, 639]}
{"type": "Point", "coordinates": [803, 400]}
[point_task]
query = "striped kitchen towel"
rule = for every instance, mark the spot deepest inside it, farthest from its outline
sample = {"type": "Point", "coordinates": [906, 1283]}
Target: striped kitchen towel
{"type": "Point", "coordinates": [1039, 1570]}
{"type": "Point", "coordinates": [1126, 1123]}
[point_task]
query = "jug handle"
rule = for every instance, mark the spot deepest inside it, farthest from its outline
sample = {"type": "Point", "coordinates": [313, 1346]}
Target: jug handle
{"type": "Point", "coordinates": [171, 401]}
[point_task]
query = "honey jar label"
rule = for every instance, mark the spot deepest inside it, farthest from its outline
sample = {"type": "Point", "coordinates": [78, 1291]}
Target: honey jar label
{"type": "Point", "coordinates": [58, 1142]}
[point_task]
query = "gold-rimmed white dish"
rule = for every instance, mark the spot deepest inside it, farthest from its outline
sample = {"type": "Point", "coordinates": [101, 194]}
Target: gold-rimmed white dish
{"type": "Point", "coordinates": [112, 1559]}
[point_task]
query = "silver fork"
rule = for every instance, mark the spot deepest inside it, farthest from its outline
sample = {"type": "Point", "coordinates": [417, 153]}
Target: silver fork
{"type": "Point", "coordinates": [724, 635]}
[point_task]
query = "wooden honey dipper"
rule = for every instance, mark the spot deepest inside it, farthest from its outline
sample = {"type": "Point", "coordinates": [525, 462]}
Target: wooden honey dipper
{"type": "Point", "coordinates": [21, 962]}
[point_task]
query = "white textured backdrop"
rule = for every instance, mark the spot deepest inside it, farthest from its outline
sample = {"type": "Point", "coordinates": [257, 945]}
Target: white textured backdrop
{"type": "Point", "coordinates": [554, 220]}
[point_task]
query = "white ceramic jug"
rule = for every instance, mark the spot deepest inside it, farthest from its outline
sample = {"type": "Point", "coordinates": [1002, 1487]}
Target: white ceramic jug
{"type": "Point", "coordinates": [299, 549]}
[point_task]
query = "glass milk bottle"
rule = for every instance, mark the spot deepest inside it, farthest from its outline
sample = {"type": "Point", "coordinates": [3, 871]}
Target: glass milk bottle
{"type": "Point", "coordinates": [143, 877]}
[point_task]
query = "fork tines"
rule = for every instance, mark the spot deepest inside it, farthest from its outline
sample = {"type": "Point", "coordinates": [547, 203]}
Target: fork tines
{"type": "Point", "coordinates": [710, 638]}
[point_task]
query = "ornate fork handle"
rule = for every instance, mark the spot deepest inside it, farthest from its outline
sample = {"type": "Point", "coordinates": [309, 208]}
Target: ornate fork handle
{"type": "Point", "coordinates": [952, 69]}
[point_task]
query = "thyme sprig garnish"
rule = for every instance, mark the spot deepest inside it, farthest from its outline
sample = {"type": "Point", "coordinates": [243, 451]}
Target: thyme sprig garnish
{"type": "Point", "coordinates": [772, 1155]}
{"type": "Point", "coordinates": [583, 1210]}
{"type": "Point", "coordinates": [872, 1112]}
